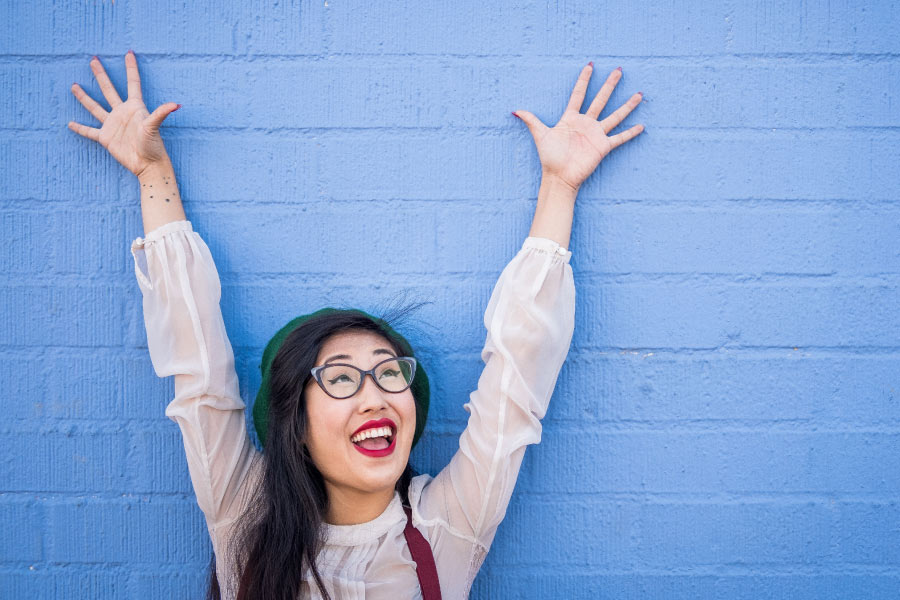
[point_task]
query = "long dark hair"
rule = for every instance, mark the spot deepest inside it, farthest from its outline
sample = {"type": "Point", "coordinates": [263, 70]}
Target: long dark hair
{"type": "Point", "coordinates": [279, 532]}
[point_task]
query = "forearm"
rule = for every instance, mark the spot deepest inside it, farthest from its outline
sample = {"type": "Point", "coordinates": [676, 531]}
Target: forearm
{"type": "Point", "coordinates": [554, 212]}
{"type": "Point", "coordinates": [186, 338]}
{"type": "Point", "coordinates": [160, 199]}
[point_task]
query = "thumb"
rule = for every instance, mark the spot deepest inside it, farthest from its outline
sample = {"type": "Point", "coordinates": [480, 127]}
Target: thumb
{"type": "Point", "coordinates": [162, 111]}
{"type": "Point", "coordinates": [534, 124]}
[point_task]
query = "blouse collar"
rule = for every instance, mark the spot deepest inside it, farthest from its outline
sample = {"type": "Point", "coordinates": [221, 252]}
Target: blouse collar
{"type": "Point", "coordinates": [352, 535]}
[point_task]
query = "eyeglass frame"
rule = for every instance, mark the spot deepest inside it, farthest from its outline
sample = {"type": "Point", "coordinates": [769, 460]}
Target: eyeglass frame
{"type": "Point", "coordinates": [316, 373]}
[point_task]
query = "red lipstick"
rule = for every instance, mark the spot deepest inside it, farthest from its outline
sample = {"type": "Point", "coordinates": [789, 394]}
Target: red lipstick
{"type": "Point", "coordinates": [374, 424]}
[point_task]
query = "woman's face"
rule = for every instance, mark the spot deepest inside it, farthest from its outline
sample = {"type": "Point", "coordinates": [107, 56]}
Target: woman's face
{"type": "Point", "coordinates": [332, 422]}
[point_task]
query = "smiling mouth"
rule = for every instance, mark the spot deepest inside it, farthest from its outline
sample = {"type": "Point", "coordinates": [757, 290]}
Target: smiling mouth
{"type": "Point", "coordinates": [376, 438]}
{"type": "Point", "coordinates": [375, 442]}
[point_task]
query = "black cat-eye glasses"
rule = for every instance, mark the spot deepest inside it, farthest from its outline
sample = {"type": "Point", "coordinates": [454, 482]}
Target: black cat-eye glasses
{"type": "Point", "coordinates": [342, 380]}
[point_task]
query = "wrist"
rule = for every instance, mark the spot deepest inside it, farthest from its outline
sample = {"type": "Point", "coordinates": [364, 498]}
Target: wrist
{"type": "Point", "coordinates": [160, 199]}
{"type": "Point", "coordinates": [555, 188]}
{"type": "Point", "coordinates": [155, 169]}
{"type": "Point", "coordinates": [554, 211]}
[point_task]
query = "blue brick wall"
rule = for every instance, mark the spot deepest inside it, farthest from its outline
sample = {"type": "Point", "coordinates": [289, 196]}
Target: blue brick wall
{"type": "Point", "coordinates": [727, 424]}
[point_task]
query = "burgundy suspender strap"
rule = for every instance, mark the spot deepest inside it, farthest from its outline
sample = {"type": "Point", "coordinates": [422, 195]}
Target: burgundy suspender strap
{"type": "Point", "coordinates": [421, 553]}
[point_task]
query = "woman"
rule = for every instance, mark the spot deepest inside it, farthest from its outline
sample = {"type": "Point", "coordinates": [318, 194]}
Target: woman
{"type": "Point", "coordinates": [324, 511]}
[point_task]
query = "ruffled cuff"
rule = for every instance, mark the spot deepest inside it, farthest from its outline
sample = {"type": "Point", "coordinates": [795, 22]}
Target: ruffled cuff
{"type": "Point", "coordinates": [547, 245]}
{"type": "Point", "coordinates": [141, 270]}
{"type": "Point", "coordinates": [162, 230]}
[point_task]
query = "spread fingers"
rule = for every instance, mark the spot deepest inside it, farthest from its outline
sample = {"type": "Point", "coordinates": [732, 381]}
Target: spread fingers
{"type": "Point", "coordinates": [577, 97]}
{"type": "Point", "coordinates": [613, 120]}
{"type": "Point", "coordinates": [106, 86]}
{"type": "Point", "coordinates": [134, 79]}
{"type": "Point", "coordinates": [620, 138]}
{"type": "Point", "coordinates": [603, 95]}
{"type": "Point", "coordinates": [90, 133]}
{"type": "Point", "coordinates": [89, 103]}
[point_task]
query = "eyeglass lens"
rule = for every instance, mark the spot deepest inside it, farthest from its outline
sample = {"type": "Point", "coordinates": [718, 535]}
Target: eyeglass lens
{"type": "Point", "coordinates": [342, 381]}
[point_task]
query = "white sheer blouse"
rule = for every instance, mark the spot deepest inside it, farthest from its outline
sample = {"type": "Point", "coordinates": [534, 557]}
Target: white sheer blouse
{"type": "Point", "coordinates": [530, 320]}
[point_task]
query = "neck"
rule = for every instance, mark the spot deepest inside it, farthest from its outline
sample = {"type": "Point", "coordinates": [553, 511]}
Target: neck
{"type": "Point", "coordinates": [351, 507]}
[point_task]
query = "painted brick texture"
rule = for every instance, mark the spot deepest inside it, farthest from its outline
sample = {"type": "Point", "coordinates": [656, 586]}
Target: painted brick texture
{"type": "Point", "coordinates": [727, 423]}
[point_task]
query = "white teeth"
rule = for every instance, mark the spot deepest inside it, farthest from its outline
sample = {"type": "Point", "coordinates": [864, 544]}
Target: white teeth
{"type": "Point", "coordinates": [370, 433]}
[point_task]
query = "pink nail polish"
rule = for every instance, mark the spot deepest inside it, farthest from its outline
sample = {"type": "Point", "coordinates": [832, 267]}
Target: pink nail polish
{"type": "Point", "coordinates": [619, 68]}
{"type": "Point", "coordinates": [591, 63]}
{"type": "Point", "coordinates": [132, 51]}
{"type": "Point", "coordinates": [176, 108]}
{"type": "Point", "coordinates": [514, 114]}
{"type": "Point", "coordinates": [95, 57]}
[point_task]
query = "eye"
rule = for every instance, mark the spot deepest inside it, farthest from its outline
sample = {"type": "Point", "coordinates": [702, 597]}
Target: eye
{"type": "Point", "coordinates": [390, 373]}
{"type": "Point", "coordinates": [338, 377]}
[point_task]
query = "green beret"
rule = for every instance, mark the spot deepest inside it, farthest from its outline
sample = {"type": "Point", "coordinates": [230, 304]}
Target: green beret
{"type": "Point", "coordinates": [419, 387]}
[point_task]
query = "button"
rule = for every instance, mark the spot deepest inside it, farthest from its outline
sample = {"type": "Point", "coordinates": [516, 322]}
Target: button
{"type": "Point", "coordinates": [561, 250]}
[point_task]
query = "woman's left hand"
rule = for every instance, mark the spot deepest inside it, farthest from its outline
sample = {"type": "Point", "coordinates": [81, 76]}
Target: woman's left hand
{"type": "Point", "coordinates": [572, 149]}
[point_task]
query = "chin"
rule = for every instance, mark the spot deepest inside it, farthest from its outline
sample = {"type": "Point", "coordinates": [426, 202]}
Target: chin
{"type": "Point", "coordinates": [377, 483]}
{"type": "Point", "coordinates": [375, 478]}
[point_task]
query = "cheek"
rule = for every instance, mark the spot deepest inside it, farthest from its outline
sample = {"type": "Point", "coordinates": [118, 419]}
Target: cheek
{"type": "Point", "coordinates": [409, 415]}
{"type": "Point", "coordinates": [325, 431]}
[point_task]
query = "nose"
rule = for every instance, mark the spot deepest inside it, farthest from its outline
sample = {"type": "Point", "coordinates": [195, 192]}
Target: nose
{"type": "Point", "coordinates": [371, 397]}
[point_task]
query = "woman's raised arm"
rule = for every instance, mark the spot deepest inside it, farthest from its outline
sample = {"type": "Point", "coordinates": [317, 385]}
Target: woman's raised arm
{"type": "Point", "coordinates": [186, 337]}
{"type": "Point", "coordinates": [131, 135]}
{"type": "Point", "coordinates": [530, 322]}
{"type": "Point", "coordinates": [181, 292]}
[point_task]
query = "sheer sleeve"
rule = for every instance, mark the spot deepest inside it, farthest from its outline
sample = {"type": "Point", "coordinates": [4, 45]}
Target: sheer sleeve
{"type": "Point", "coordinates": [186, 338]}
{"type": "Point", "coordinates": [530, 320]}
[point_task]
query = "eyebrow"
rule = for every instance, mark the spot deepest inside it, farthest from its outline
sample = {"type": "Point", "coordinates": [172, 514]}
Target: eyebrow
{"type": "Point", "coordinates": [348, 357]}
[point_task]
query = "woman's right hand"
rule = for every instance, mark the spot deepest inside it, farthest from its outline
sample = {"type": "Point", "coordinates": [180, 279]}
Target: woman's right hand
{"type": "Point", "coordinates": [129, 131]}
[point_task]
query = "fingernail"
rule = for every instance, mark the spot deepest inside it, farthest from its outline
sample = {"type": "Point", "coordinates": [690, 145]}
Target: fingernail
{"type": "Point", "coordinates": [132, 51]}
{"type": "Point", "coordinates": [517, 116]}
{"type": "Point", "coordinates": [591, 63]}
{"type": "Point", "coordinates": [619, 68]}
{"type": "Point", "coordinates": [176, 108]}
{"type": "Point", "coordinates": [95, 57]}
